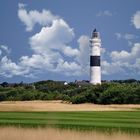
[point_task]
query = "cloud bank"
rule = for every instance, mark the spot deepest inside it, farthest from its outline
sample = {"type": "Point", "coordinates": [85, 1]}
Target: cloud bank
{"type": "Point", "coordinates": [50, 46]}
{"type": "Point", "coordinates": [125, 62]}
{"type": "Point", "coordinates": [52, 52]}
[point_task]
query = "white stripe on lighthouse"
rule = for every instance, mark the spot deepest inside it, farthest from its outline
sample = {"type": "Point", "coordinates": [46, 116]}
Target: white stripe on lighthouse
{"type": "Point", "coordinates": [95, 73]}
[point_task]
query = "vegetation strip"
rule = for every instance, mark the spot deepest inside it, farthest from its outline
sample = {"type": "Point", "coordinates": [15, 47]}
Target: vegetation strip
{"type": "Point", "coordinates": [119, 92]}
{"type": "Point", "coordinates": [106, 120]}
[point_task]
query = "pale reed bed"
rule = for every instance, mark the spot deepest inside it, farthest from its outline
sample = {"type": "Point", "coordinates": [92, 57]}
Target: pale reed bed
{"type": "Point", "coordinates": [59, 106]}
{"type": "Point", "coordinates": [12, 133]}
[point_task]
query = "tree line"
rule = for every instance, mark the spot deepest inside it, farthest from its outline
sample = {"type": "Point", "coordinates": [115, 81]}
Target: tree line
{"type": "Point", "coordinates": [108, 93]}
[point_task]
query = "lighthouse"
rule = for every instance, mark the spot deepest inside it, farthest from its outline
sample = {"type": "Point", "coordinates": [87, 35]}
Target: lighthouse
{"type": "Point", "coordinates": [95, 64]}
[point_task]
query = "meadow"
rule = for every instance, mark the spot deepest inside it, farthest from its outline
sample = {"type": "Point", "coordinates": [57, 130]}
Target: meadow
{"type": "Point", "coordinates": [14, 133]}
{"type": "Point", "coordinates": [60, 120]}
{"type": "Point", "coordinates": [107, 121]}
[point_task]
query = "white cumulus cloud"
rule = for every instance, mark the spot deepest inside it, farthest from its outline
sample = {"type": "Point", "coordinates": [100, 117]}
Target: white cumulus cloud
{"type": "Point", "coordinates": [9, 68]}
{"type": "Point", "coordinates": [84, 51]}
{"type": "Point", "coordinates": [45, 17]}
{"type": "Point", "coordinates": [126, 62]}
{"type": "Point", "coordinates": [4, 49]}
{"type": "Point", "coordinates": [125, 56]}
{"type": "Point", "coordinates": [109, 68]}
{"type": "Point", "coordinates": [55, 37]}
{"type": "Point", "coordinates": [51, 48]}
{"type": "Point", "coordinates": [136, 20]}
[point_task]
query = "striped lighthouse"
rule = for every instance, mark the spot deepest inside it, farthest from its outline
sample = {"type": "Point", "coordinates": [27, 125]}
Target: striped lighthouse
{"type": "Point", "coordinates": [95, 65]}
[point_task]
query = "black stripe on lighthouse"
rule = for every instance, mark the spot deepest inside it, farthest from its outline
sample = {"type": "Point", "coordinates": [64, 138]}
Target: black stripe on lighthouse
{"type": "Point", "coordinates": [94, 60]}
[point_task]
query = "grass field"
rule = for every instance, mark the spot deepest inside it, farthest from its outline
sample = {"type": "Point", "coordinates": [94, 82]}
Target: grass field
{"type": "Point", "coordinates": [128, 121]}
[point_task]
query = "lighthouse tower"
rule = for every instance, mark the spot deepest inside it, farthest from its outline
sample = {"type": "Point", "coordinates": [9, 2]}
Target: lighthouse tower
{"type": "Point", "coordinates": [95, 65]}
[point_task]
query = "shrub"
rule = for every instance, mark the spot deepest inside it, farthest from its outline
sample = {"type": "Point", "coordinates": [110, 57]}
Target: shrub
{"type": "Point", "coordinates": [78, 99]}
{"type": "Point", "coordinates": [2, 96]}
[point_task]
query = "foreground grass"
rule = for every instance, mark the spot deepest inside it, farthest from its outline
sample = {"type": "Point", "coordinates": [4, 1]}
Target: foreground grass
{"type": "Point", "coordinates": [13, 133]}
{"type": "Point", "coordinates": [106, 120]}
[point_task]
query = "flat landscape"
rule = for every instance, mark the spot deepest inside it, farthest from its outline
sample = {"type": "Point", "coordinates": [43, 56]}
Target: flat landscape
{"type": "Point", "coordinates": [63, 115]}
{"type": "Point", "coordinates": [62, 106]}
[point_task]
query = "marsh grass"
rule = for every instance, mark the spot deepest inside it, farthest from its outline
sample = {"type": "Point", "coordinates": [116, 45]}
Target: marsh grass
{"type": "Point", "coordinates": [59, 106]}
{"type": "Point", "coordinates": [13, 133]}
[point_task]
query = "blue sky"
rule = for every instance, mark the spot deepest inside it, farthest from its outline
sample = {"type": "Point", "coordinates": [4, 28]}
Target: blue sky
{"type": "Point", "coordinates": [44, 39]}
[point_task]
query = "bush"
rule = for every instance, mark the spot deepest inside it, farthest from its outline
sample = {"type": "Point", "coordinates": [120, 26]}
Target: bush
{"type": "Point", "coordinates": [2, 96]}
{"type": "Point", "coordinates": [78, 99]}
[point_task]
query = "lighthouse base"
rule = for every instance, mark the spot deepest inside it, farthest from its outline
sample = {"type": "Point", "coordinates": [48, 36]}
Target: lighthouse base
{"type": "Point", "coordinates": [95, 75]}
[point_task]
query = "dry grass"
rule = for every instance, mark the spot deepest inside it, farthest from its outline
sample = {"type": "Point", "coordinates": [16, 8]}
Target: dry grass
{"type": "Point", "coordinates": [11, 133]}
{"type": "Point", "coordinates": [59, 106]}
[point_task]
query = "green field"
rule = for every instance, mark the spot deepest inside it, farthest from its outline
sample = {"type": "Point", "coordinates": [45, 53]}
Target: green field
{"type": "Point", "coordinates": [105, 120]}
